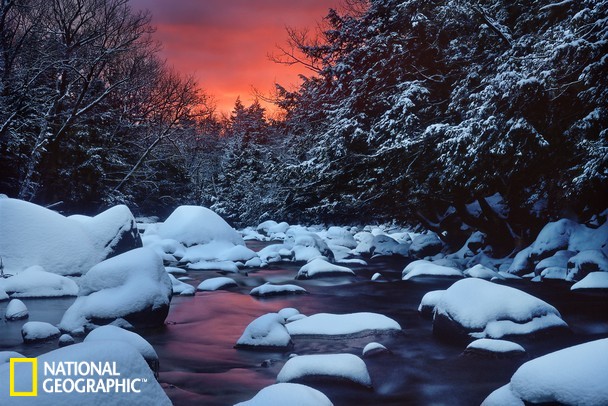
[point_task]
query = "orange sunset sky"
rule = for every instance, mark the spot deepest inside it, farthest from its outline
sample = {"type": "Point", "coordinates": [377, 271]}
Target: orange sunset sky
{"type": "Point", "coordinates": [225, 43]}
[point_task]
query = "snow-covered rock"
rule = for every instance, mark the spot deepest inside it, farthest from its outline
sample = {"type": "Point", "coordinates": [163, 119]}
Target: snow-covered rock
{"type": "Point", "coordinates": [481, 309]}
{"type": "Point", "coordinates": [571, 376]}
{"type": "Point", "coordinates": [16, 310]}
{"type": "Point", "coordinates": [501, 348]}
{"type": "Point", "coordinates": [373, 349]}
{"type": "Point", "coordinates": [340, 236]}
{"type": "Point", "coordinates": [220, 282]}
{"type": "Point", "coordinates": [288, 312]}
{"type": "Point", "coordinates": [384, 245]}
{"type": "Point", "coordinates": [221, 266]}
{"type": "Point", "coordinates": [593, 280]}
{"type": "Point", "coordinates": [423, 267]}
{"type": "Point", "coordinates": [425, 245]}
{"type": "Point", "coordinates": [33, 331]}
{"type": "Point", "coordinates": [292, 394]}
{"type": "Point", "coordinates": [320, 267]}
{"type": "Point", "coordinates": [236, 253]}
{"type": "Point", "coordinates": [322, 324]}
{"type": "Point", "coordinates": [268, 289]}
{"type": "Point", "coordinates": [113, 333]}
{"type": "Point", "coordinates": [522, 263]}
{"type": "Point", "coordinates": [267, 331]}
{"type": "Point", "coordinates": [65, 340]}
{"type": "Point", "coordinates": [133, 286]}
{"type": "Point", "coordinates": [33, 235]}
{"type": "Point", "coordinates": [192, 225]}
{"type": "Point", "coordinates": [3, 295]}
{"type": "Point", "coordinates": [482, 272]}
{"type": "Point", "coordinates": [428, 303]}
{"type": "Point", "coordinates": [341, 366]}
{"type": "Point", "coordinates": [566, 234]}
{"type": "Point", "coordinates": [181, 288]}
{"type": "Point", "coordinates": [558, 260]}
{"type": "Point", "coordinates": [129, 364]}
{"type": "Point", "coordinates": [581, 264]}
{"type": "Point", "coordinates": [36, 282]}
{"type": "Point", "coordinates": [5, 356]}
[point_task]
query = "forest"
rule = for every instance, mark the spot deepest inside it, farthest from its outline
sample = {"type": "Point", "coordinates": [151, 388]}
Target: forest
{"type": "Point", "coordinates": [455, 115]}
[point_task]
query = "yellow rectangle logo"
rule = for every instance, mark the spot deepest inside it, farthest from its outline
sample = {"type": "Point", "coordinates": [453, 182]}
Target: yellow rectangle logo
{"type": "Point", "coordinates": [34, 363]}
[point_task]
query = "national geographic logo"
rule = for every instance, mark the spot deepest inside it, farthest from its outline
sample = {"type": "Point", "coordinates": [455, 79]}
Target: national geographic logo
{"type": "Point", "coordinates": [70, 377]}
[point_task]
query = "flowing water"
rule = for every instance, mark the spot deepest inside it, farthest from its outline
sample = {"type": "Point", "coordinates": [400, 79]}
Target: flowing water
{"type": "Point", "coordinates": [198, 364]}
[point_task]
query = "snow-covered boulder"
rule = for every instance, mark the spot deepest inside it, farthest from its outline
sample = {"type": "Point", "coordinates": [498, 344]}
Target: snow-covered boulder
{"type": "Point", "coordinates": [33, 331]}
{"type": "Point", "coordinates": [494, 348]}
{"type": "Point", "coordinates": [522, 263]}
{"type": "Point", "coordinates": [594, 280]}
{"type": "Point", "coordinates": [571, 376]}
{"type": "Point", "coordinates": [476, 241]}
{"type": "Point", "coordinates": [220, 282]}
{"type": "Point", "coordinates": [269, 289]}
{"type": "Point", "coordinates": [133, 286]}
{"type": "Point", "coordinates": [373, 348]}
{"type": "Point", "coordinates": [129, 364]}
{"type": "Point", "coordinates": [423, 267]}
{"type": "Point", "coordinates": [581, 264]}
{"type": "Point", "coordinates": [340, 236]}
{"type": "Point", "coordinates": [428, 303]}
{"type": "Point", "coordinates": [288, 312]}
{"type": "Point", "coordinates": [65, 340]}
{"type": "Point", "coordinates": [337, 366]}
{"type": "Point", "coordinates": [181, 288]}
{"type": "Point", "coordinates": [482, 272]}
{"type": "Point", "coordinates": [557, 260]}
{"type": "Point", "coordinates": [266, 332]}
{"type": "Point", "coordinates": [236, 253]}
{"type": "Point", "coordinates": [480, 309]}
{"type": "Point", "coordinates": [384, 245]}
{"type": "Point", "coordinates": [3, 295]}
{"type": "Point", "coordinates": [36, 282]}
{"type": "Point", "coordinates": [113, 333]}
{"type": "Point", "coordinates": [33, 235]}
{"type": "Point", "coordinates": [16, 310]}
{"type": "Point", "coordinates": [293, 394]}
{"type": "Point", "coordinates": [320, 267]}
{"type": "Point", "coordinates": [326, 324]}
{"type": "Point", "coordinates": [425, 245]}
{"type": "Point", "coordinates": [566, 234]}
{"type": "Point", "coordinates": [5, 356]}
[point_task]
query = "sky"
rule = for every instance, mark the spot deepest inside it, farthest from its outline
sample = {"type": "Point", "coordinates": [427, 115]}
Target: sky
{"type": "Point", "coordinates": [225, 43]}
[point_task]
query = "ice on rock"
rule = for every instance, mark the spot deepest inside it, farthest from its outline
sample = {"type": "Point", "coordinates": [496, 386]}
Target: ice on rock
{"type": "Point", "coordinates": [322, 324]}
{"type": "Point", "coordinates": [594, 280]}
{"type": "Point", "coordinates": [220, 282]}
{"type": "Point", "coordinates": [133, 286]}
{"type": "Point", "coordinates": [319, 267]}
{"type": "Point", "coordinates": [482, 272]}
{"type": "Point", "coordinates": [292, 394]}
{"type": "Point", "coordinates": [581, 264]}
{"type": "Point", "coordinates": [482, 309]}
{"type": "Point", "coordinates": [491, 346]}
{"type": "Point", "coordinates": [428, 303]}
{"type": "Point", "coordinates": [425, 245]}
{"type": "Point", "coordinates": [268, 289]}
{"type": "Point", "coordinates": [267, 331]}
{"type": "Point", "coordinates": [33, 331]}
{"type": "Point", "coordinates": [423, 267]}
{"type": "Point", "coordinates": [16, 310]}
{"type": "Point", "coordinates": [337, 366]}
{"type": "Point", "coordinates": [36, 282]}
{"type": "Point", "coordinates": [129, 363]}
{"type": "Point", "coordinates": [571, 376]}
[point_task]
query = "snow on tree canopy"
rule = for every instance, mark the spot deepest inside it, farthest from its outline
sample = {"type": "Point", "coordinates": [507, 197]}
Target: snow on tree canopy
{"type": "Point", "coordinates": [132, 283]}
{"type": "Point", "coordinates": [33, 235]}
{"type": "Point", "coordinates": [129, 363]}
{"type": "Point", "coordinates": [192, 225]}
{"type": "Point", "coordinates": [486, 310]}
{"type": "Point", "coordinates": [571, 376]}
{"type": "Point", "coordinates": [293, 394]}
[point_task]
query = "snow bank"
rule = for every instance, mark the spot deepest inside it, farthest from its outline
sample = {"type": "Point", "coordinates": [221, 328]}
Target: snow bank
{"type": "Point", "coordinates": [38, 331]}
{"type": "Point", "coordinates": [423, 267]}
{"type": "Point", "coordinates": [319, 267]}
{"type": "Point", "coordinates": [342, 366]}
{"type": "Point", "coordinates": [16, 310]}
{"type": "Point", "coordinates": [292, 394]}
{"type": "Point", "coordinates": [484, 309]}
{"type": "Point", "coordinates": [572, 376]}
{"type": "Point", "coordinates": [129, 364]}
{"type": "Point", "coordinates": [594, 280]}
{"type": "Point", "coordinates": [268, 289]}
{"type": "Point", "coordinates": [342, 324]}
{"type": "Point", "coordinates": [36, 282]}
{"type": "Point", "coordinates": [267, 331]}
{"type": "Point", "coordinates": [216, 283]}
{"type": "Point", "coordinates": [133, 286]}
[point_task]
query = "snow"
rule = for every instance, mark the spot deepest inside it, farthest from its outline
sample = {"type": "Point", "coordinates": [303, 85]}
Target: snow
{"type": "Point", "coordinates": [16, 310]}
{"type": "Point", "coordinates": [343, 366]}
{"type": "Point", "coordinates": [216, 283]}
{"type": "Point", "coordinates": [522, 263]}
{"type": "Point", "coordinates": [181, 288]}
{"type": "Point", "coordinates": [384, 245]}
{"type": "Point", "coordinates": [38, 330]}
{"type": "Point", "coordinates": [486, 309]}
{"type": "Point", "coordinates": [129, 364]}
{"type": "Point", "coordinates": [292, 394]}
{"type": "Point", "coordinates": [567, 234]}
{"type": "Point", "coordinates": [269, 289]}
{"type": "Point", "coordinates": [584, 262]}
{"type": "Point", "coordinates": [113, 333]}
{"type": "Point", "coordinates": [36, 282]}
{"type": "Point", "coordinates": [594, 280]}
{"type": "Point", "coordinates": [265, 331]}
{"type": "Point", "coordinates": [498, 346]}
{"type": "Point", "coordinates": [192, 225]}
{"type": "Point", "coordinates": [423, 267]}
{"type": "Point", "coordinates": [342, 324]}
{"type": "Point", "coordinates": [3, 294]}
{"type": "Point", "coordinates": [5, 356]}
{"type": "Point", "coordinates": [373, 348]}
{"type": "Point", "coordinates": [425, 245]}
{"type": "Point", "coordinates": [224, 266]}
{"type": "Point", "coordinates": [66, 339]}
{"type": "Point", "coordinates": [320, 267]}
{"type": "Point", "coordinates": [482, 272]}
{"type": "Point", "coordinates": [288, 312]}
{"type": "Point", "coordinates": [206, 252]}
{"type": "Point", "coordinates": [132, 282]}
{"type": "Point", "coordinates": [503, 396]}
{"type": "Point", "coordinates": [572, 376]}
{"type": "Point", "coordinates": [340, 236]}
{"type": "Point", "coordinates": [558, 260]}
{"type": "Point", "coordinates": [175, 270]}
{"type": "Point", "coordinates": [429, 301]}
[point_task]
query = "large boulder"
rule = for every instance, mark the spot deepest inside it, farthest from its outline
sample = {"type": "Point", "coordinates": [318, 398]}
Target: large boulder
{"type": "Point", "coordinates": [425, 245]}
{"type": "Point", "coordinates": [133, 286]}
{"type": "Point", "coordinates": [476, 308]}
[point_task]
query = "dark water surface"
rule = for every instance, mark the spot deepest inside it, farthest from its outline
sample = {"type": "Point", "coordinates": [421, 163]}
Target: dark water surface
{"type": "Point", "coordinates": [198, 364]}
